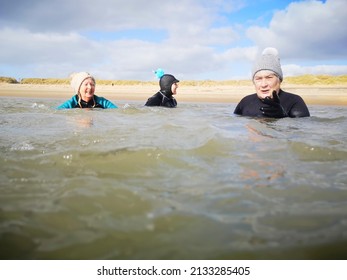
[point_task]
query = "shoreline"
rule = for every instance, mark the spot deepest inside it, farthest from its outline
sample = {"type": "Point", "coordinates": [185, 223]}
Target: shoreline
{"type": "Point", "coordinates": [312, 94]}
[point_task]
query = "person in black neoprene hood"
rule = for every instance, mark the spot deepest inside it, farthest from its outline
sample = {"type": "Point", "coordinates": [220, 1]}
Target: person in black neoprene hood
{"type": "Point", "coordinates": [164, 97]}
{"type": "Point", "coordinates": [270, 100]}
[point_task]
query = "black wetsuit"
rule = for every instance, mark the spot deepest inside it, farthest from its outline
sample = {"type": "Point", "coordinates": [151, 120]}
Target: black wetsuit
{"type": "Point", "coordinates": [292, 106]}
{"type": "Point", "coordinates": [160, 99]}
{"type": "Point", "coordinates": [89, 104]}
{"type": "Point", "coordinates": [164, 97]}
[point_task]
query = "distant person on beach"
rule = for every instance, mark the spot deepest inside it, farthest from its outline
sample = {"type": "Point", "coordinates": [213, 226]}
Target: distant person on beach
{"type": "Point", "coordinates": [270, 100]}
{"type": "Point", "coordinates": [84, 87]}
{"type": "Point", "coordinates": [168, 87]}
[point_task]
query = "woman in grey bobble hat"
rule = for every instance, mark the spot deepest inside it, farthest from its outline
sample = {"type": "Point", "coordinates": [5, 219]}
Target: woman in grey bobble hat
{"type": "Point", "coordinates": [270, 100]}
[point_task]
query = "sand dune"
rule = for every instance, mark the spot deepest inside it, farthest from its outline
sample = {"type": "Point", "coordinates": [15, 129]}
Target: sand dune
{"type": "Point", "coordinates": [322, 95]}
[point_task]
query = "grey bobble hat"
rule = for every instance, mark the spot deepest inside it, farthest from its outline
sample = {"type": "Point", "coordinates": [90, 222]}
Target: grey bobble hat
{"type": "Point", "coordinates": [269, 60]}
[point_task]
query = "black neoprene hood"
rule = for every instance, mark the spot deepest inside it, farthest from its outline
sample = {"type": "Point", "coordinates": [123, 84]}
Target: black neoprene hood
{"type": "Point", "coordinates": [166, 82]}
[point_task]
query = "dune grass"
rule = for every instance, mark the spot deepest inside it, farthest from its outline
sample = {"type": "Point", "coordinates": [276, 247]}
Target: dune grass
{"type": "Point", "coordinates": [298, 80]}
{"type": "Point", "coordinates": [8, 80]}
{"type": "Point", "coordinates": [317, 80]}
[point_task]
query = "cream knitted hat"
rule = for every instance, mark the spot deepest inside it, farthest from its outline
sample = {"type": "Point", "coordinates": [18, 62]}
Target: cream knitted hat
{"type": "Point", "coordinates": [269, 60]}
{"type": "Point", "coordinates": [78, 78]}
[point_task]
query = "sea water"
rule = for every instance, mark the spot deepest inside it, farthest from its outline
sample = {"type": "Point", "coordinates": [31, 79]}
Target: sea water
{"type": "Point", "coordinates": [194, 182]}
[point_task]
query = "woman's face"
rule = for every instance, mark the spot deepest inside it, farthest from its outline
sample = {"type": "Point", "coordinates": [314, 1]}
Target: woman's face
{"type": "Point", "coordinates": [265, 83]}
{"type": "Point", "coordinates": [87, 89]}
{"type": "Point", "coordinates": [174, 87]}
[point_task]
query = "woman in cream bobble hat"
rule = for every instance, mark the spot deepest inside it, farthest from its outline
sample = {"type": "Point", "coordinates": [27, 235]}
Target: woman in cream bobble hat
{"type": "Point", "coordinates": [270, 100]}
{"type": "Point", "coordinates": [84, 87]}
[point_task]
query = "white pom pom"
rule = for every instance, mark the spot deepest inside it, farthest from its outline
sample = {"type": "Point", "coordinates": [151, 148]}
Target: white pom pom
{"type": "Point", "coordinates": [271, 51]}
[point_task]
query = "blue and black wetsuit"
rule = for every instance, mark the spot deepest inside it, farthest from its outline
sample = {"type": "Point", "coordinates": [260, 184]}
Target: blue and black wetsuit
{"type": "Point", "coordinates": [96, 102]}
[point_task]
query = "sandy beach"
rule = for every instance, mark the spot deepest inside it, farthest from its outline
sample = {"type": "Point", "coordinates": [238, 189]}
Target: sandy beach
{"type": "Point", "coordinates": [312, 94]}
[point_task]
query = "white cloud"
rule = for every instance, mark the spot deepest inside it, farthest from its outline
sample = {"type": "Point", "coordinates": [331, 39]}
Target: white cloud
{"type": "Point", "coordinates": [54, 38]}
{"type": "Point", "coordinates": [306, 30]}
{"type": "Point", "coordinates": [50, 33]}
{"type": "Point", "coordinates": [23, 46]}
{"type": "Point", "coordinates": [297, 70]}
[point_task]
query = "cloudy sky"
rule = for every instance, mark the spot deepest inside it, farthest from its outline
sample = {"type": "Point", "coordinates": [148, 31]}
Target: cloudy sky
{"type": "Point", "coordinates": [192, 39]}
